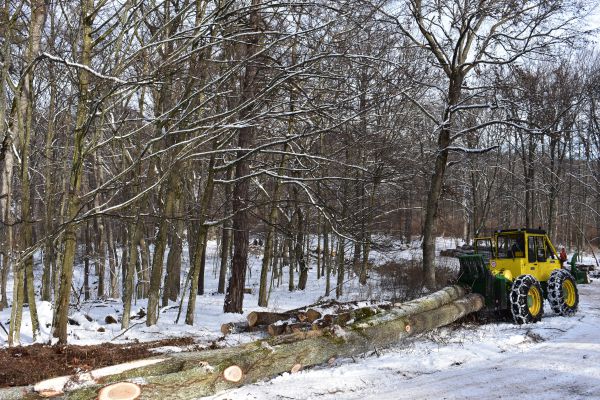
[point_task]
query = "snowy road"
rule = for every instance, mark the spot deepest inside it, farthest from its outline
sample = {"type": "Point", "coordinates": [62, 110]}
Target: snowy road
{"type": "Point", "coordinates": [558, 358]}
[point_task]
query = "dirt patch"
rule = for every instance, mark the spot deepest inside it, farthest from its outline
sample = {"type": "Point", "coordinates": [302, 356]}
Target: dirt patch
{"type": "Point", "coordinates": [20, 366]}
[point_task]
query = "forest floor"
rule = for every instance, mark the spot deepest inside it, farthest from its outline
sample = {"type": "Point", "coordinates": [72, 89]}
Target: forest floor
{"type": "Point", "coordinates": [24, 365]}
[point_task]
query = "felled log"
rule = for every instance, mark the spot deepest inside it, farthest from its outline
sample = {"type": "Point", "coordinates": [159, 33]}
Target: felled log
{"type": "Point", "coordinates": [276, 329]}
{"type": "Point", "coordinates": [266, 318]}
{"type": "Point", "coordinates": [280, 329]}
{"type": "Point", "coordinates": [196, 374]}
{"type": "Point", "coordinates": [310, 315]}
{"type": "Point", "coordinates": [342, 319]}
{"type": "Point", "coordinates": [298, 327]}
{"type": "Point", "coordinates": [238, 327]}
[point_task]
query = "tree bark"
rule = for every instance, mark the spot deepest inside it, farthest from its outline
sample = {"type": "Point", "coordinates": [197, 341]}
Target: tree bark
{"type": "Point", "coordinates": [72, 198]}
{"type": "Point", "coordinates": [268, 249]}
{"type": "Point", "coordinates": [234, 298]}
{"type": "Point", "coordinates": [437, 181]}
{"type": "Point", "coordinates": [173, 276]}
{"type": "Point", "coordinates": [144, 272]}
{"type": "Point", "coordinates": [299, 251]}
{"type": "Point", "coordinates": [341, 261]}
{"type": "Point", "coordinates": [49, 251]}
{"type": "Point", "coordinates": [112, 263]}
{"type": "Point", "coordinates": [160, 246]}
{"type": "Point", "coordinates": [226, 238]}
{"type": "Point", "coordinates": [129, 270]}
{"type": "Point", "coordinates": [201, 238]}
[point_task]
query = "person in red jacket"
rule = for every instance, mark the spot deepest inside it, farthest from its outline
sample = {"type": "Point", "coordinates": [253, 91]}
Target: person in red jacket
{"type": "Point", "coordinates": [562, 257]}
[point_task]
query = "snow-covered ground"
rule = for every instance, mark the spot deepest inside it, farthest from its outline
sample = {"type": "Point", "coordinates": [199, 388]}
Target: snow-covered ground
{"type": "Point", "coordinates": [558, 358]}
{"type": "Point", "coordinates": [555, 359]}
{"type": "Point", "coordinates": [91, 315]}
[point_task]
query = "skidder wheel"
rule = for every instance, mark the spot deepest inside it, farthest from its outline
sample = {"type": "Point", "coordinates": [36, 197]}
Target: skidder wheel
{"type": "Point", "coordinates": [526, 300]}
{"type": "Point", "coordinates": [562, 293]}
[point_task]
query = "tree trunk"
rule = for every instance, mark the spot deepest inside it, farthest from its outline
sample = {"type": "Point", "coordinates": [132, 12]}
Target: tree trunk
{"type": "Point", "coordinates": [173, 276]}
{"type": "Point", "coordinates": [326, 258]}
{"type": "Point", "coordinates": [16, 312]}
{"type": "Point", "coordinates": [49, 251]}
{"type": "Point", "coordinates": [226, 238]}
{"type": "Point", "coordinates": [202, 274]}
{"type": "Point", "coordinates": [144, 271]}
{"type": "Point", "coordinates": [437, 182]}
{"type": "Point", "coordinates": [86, 265]}
{"type": "Point", "coordinates": [367, 236]}
{"type": "Point", "coordinates": [196, 268]}
{"type": "Point", "coordinates": [72, 197]}
{"type": "Point", "coordinates": [160, 246]}
{"type": "Point", "coordinates": [341, 260]}
{"type": "Point", "coordinates": [268, 249]}
{"type": "Point", "coordinates": [129, 271]}
{"type": "Point", "coordinates": [234, 298]}
{"type": "Point", "coordinates": [101, 259]}
{"type": "Point", "coordinates": [112, 264]}
{"type": "Point", "coordinates": [300, 252]}
{"type": "Point", "coordinates": [3, 281]}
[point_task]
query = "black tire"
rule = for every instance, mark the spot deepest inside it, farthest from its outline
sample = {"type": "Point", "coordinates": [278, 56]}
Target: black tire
{"type": "Point", "coordinates": [526, 300]}
{"type": "Point", "coordinates": [562, 293]}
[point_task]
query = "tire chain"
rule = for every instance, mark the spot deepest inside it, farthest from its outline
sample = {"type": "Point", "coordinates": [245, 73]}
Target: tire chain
{"type": "Point", "coordinates": [556, 297]}
{"type": "Point", "coordinates": [518, 300]}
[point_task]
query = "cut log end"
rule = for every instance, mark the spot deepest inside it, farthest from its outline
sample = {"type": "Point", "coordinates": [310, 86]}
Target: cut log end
{"type": "Point", "coordinates": [312, 315]}
{"type": "Point", "coordinates": [226, 328]}
{"type": "Point", "coordinates": [296, 368]}
{"type": "Point", "coordinates": [233, 374]}
{"type": "Point", "coordinates": [407, 328]}
{"type": "Point", "coordinates": [252, 318]}
{"type": "Point", "coordinates": [120, 391]}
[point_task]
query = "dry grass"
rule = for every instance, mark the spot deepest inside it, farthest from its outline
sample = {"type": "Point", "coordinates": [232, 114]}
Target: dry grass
{"type": "Point", "coordinates": [402, 280]}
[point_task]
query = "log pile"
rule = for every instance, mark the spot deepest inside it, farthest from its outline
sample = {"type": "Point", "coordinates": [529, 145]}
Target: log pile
{"type": "Point", "coordinates": [314, 317]}
{"type": "Point", "coordinates": [195, 374]}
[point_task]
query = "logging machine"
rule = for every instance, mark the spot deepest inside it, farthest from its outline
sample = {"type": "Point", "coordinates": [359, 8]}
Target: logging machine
{"type": "Point", "coordinates": [515, 270]}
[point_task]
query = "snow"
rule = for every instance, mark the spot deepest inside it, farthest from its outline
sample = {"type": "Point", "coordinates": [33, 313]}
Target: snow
{"type": "Point", "coordinates": [209, 314]}
{"type": "Point", "coordinates": [555, 359]}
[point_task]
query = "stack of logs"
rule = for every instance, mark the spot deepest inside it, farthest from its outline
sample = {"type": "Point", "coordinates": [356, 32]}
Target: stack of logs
{"type": "Point", "coordinates": [317, 316]}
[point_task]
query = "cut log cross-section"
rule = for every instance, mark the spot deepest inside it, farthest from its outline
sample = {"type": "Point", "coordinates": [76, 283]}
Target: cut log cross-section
{"type": "Point", "coordinates": [196, 374]}
{"type": "Point", "coordinates": [233, 374]}
{"type": "Point", "coordinates": [120, 391]}
{"type": "Point", "coordinates": [310, 315]}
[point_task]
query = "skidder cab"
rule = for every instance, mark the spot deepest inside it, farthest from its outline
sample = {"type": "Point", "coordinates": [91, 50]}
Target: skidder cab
{"type": "Point", "coordinates": [515, 270]}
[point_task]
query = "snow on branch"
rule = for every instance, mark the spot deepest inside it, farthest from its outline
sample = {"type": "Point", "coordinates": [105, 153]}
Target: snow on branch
{"type": "Point", "coordinates": [470, 151]}
{"type": "Point", "coordinates": [85, 67]}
